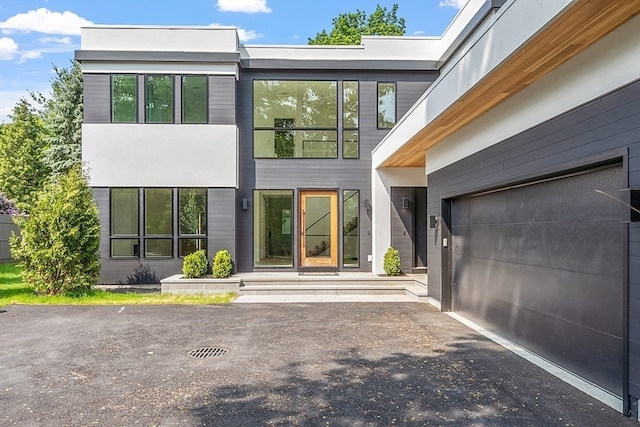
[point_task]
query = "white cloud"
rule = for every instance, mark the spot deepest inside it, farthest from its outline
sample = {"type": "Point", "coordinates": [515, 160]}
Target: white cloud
{"type": "Point", "coordinates": [56, 40]}
{"type": "Point", "coordinates": [456, 4]}
{"type": "Point", "coordinates": [44, 21]}
{"type": "Point", "coordinates": [8, 49]}
{"type": "Point", "coordinates": [30, 54]}
{"type": "Point", "coordinates": [244, 6]}
{"type": "Point", "coordinates": [418, 33]}
{"type": "Point", "coordinates": [243, 35]}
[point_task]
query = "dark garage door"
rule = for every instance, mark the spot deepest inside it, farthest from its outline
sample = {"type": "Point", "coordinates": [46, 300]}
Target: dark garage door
{"type": "Point", "coordinates": [542, 265]}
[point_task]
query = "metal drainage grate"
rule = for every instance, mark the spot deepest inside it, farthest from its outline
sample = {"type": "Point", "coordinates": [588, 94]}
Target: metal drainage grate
{"type": "Point", "coordinates": [207, 352]}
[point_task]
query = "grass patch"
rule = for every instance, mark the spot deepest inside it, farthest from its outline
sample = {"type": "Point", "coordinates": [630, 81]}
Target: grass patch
{"type": "Point", "coordinates": [14, 291]}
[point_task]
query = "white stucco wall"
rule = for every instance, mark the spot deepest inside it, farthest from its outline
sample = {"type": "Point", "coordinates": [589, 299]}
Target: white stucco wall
{"type": "Point", "coordinates": [381, 182]}
{"type": "Point", "coordinates": [161, 155]}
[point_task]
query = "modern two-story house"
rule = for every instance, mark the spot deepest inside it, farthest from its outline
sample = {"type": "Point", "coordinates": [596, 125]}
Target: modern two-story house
{"type": "Point", "coordinates": [504, 155]}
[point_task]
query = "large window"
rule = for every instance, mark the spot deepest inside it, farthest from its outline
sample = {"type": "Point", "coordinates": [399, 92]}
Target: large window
{"type": "Point", "coordinates": [273, 228]}
{"type": "Point", "coordinates": [192, 220]}
{"type": "Point", "coordinates": [194, 99]}
{"type": "Point", "coordinates": [295, 119]}
{"type": "Point", "coordinates": [386, 105]}
{"type": "Point", "coordinates": [154, 229]}
{"type": "Point", "coordinates": [350, 118]}
{"type": "Point", "coordinates": [125, 230]}
{"type": "Point", "coordinates": [350, 228]}
{"type": "Point", "coordinates": [124, 97]}
{"type": "Point", "coordinates": [159, 98]}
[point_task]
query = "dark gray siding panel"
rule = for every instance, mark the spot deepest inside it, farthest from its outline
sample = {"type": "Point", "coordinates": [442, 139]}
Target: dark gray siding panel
{"type": "Point", "coordinates": [407, 94]}
{"type": "Point", "coordinates": [177, 98]}
{"type": "Point", "coordinates": [97, 98]}
{"type": "Point", "coordinates": [605, 127]}
{"type": "Point", "coordinates": [222, 100]}
{"type": "Point", "coordinates": [402, 226]}
{"type": "Point", "coordinates": [340, 174]}
{"type": "Point", "coordinates": [221, 221]}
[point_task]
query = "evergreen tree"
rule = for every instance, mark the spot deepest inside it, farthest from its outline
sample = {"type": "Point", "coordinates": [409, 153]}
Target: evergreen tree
{"type": "Point", "coordinates": [22, 146]}
{"type": "Point", "coordinates": [59, 240]}
{"type": "Point", "coordinates": [64, 116]}
{"type": "Point", "coordinates": [348, 28]}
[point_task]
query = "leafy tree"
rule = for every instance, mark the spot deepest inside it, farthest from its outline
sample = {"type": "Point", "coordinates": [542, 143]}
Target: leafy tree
{"type": "Point", "coordinates": [64, 116]}
{"type": "Point", "coordinates": [59, 240]}
{"type": "Point", "coordinates": [22, 146]}
{"type": "Point", "coordinates": [348, 28]}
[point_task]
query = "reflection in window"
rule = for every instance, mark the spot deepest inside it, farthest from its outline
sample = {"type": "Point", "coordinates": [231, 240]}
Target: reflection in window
{"type": "Point", "coordinates": [273, 228]}
{"type": "Point", "coordinates": [124, 222]}
{"type": "Point", "coordinates": [350, 144]}
{"type": "Point", "coordinates": [386, 105]}
{"type": "Point", "coordinates": [158, 221]}
{"type": "Point", "coordinates": [350, 228]}
{"type": "Point", "coordinates": [350, 113]}
{"type": "Point", "coordinates": [194, 99]}
{"type": "Point", "coordinates": [123, 99]}
{"type": "Point", "coordinates": [159, 98]}
{"type": "Point", "coordinates": [295, 119]}
{"type": "Point", "coordinates": [192, 220]}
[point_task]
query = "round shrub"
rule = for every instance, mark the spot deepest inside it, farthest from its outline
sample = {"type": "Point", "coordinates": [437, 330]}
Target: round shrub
{"type": "Point", "coordinates": [392, 262]}
{"type": "Point", "coordinates": [195, 265]}
{"type": "Point", "coordinates": [222, 265]}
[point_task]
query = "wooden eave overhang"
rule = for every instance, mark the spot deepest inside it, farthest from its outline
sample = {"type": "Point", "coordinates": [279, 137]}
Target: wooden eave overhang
{"type": "Point", "coordinates": [581, 25]}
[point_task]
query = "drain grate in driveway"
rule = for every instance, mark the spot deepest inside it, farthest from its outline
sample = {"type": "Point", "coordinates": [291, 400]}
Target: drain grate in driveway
{"type": "Point", "coordinates": [207, 352]}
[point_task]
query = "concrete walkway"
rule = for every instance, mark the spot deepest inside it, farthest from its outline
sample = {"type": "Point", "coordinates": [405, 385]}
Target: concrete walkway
{"type": "Point", "coordinates": [283, 299]}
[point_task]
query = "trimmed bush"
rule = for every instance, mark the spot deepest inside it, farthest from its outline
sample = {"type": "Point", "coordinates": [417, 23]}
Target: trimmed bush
{"type": "Point", "coordinates": [195, 265]}
{"type": "Point", "coordinates": [222, 265]}
{"type": "Point", "coordinates": [59, 240]}
{"type": "Point", "coordinates": [392, 262]}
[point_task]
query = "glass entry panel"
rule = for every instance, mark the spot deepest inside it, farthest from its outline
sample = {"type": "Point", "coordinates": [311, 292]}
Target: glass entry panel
{"type": "Point", "coordinates": [318, 225]}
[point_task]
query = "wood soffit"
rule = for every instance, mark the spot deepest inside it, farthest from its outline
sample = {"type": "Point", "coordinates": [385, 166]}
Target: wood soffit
{"type": "Point", "coordinates": [581, 25]}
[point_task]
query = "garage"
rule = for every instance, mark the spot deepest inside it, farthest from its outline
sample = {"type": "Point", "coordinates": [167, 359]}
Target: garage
{"type": "Point", "coordinates": [542, 264]}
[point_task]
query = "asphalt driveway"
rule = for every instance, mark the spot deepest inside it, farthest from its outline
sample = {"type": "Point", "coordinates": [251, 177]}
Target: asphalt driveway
{"type": "Point", "coordinates": [332, 364]}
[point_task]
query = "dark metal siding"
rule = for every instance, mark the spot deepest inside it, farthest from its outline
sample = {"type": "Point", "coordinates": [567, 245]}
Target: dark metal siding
{"type": "Point", "coordinates": [402, 233]}
{"type": "Point", "coordinates": [97, 98]}
{"type": "Point", "coordinates": [342, 174]}
{"type": "Point", "coordinates": [222, 100]}
{"type": "Point", "coordinates": [611, 122]}
{"type": "Point", "coordinates": [221, 221]}
{"type": "Point", "coordinates": [542, 265]}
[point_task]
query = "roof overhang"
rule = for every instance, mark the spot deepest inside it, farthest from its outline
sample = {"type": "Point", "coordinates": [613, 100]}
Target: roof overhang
{"type": "Point", "coordinates": [579, 25]}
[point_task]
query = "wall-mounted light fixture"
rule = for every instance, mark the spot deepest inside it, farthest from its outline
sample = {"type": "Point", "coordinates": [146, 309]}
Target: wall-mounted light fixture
{"type": "Point", "coordinates": [245, 204]}
{"type": "Point", "coordinates": [367, 204]}
{"type": "Point", "coordinates": [405, 203]}
{"type": "Point", "coordinates": [433, 221]}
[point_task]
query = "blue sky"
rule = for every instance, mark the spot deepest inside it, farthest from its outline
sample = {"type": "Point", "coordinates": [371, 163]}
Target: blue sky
{"type": "Point", "coordinates": [36, 34]}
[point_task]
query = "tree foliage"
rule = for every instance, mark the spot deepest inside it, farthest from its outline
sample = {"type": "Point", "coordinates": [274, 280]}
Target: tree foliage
{"type": "Point", "coordinates": [391, 262]}
{"type": "Point", "coordinates": [222, 264]}
{"type": "Point", "coordinates": [64, 116]}
{"type": "Point", "coordinates": [59, 240]}
{"type": "Point", "coordinates": [348, 28]}
{"type": "Point", "coordinates": [195, 264]}
{"type": "Point", "coordinates": [22, 146]}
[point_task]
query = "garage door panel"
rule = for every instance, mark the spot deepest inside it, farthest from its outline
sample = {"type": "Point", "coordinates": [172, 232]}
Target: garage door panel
{"type": "Point", "coordinates": [538, 243]}
{"type": "Point", "coordinates": [542, 264]}
{"type": "Point", "coordinates": [581, 350]}
{"type": "Point", "coordinates": [565, 200]}
{"type": "Point", "coordinates": [555, 293]}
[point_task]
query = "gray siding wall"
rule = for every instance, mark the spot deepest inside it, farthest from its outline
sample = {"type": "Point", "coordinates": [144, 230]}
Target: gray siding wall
{"type": "Point", "coordinates": [602, 128]}
{"type": "Point", "coordinates": [221, 235]}
{"type": "Point", "coordinates": [6, 228]}
{"type": "Point", "coordinates": [341, 174]}
{"type": "Point", "coordinates": [402, 232]}
{"type": "Point", "coordinates": [222, 100]}
{"type": "Point", "coordinates": [97, 98]}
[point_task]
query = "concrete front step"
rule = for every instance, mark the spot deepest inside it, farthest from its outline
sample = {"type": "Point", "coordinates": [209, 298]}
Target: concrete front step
{"type": "Point", "coordinates": [280, 284]}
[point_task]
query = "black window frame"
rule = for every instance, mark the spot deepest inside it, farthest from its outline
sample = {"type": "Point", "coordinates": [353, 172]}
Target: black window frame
{"type": "Point", "coordinates": [348, 128]}
{"type": "Point", "coordinates": [135, 94]}
{"type": "Point", "coordinates": [206, 99]}
{"type": "Point", "coordinates": [395, 104]}
{"type": "Point", "coordinates": [113, 236]}
{"type": "Point", "coordinates": [173, 99]}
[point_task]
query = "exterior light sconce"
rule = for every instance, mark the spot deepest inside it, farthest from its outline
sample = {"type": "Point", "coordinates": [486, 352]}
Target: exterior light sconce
{"type": "Point", "coordinates": [405, 203]}
{"type": "Point", "coordinates": [245, 204]}
{"type": "Point", "coordinates": [433, 221]}
{"type": "Point", "coordinates": [367, 204]}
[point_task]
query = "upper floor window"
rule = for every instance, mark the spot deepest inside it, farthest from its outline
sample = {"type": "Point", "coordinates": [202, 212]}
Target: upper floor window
{"type": "Point", "coordinates": [159, 98]}
{"type": "Point", "coordinates": [295, 119]}
{"type": "Point", "coordinates": [386, 105]}
{"type": "Point", "coordinates": [124, 97]}
{"type": "Point", "coordinates": [194, 99]}
{"type": "Point", "coordinates": [350, 118]}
